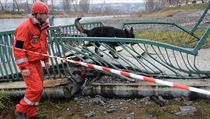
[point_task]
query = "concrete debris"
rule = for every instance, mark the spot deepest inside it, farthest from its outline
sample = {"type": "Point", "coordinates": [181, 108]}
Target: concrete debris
{"type": "Point", "coordinates": [99, 100]}
{"type": "Point", "coordinates": [112, 109]}
{"type": "Point", "coordinates": [125, 118]}
{"type": "Point", "coordinates": [123, 108]}
{"type": "Point", "coordinates": [159, 100]}
{"type": "Point", "coordinates": [188, 103]}
{"type": "Point", "coordinates": [186, 110]}
{"type": "Point", "coordinates": [143, 100]}
{"type": "Point", "coordinates": [89, 114]}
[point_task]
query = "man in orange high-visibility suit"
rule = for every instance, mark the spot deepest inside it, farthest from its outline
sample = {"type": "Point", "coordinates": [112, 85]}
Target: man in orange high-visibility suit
{"type": "Point", "coordinates": [31, 35]}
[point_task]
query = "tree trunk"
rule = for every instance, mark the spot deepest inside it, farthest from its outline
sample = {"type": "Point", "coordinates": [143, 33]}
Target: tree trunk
{"type": "Point", "coordinates": [5, 5]}
{"type": "Point", "coordinates": [28, 7]}
{"type": "Point", "coordinates": [187, 2]}
{"type": "Point", "coordinates": [149, 5]}
{"type": "Point", "coordinates": [66, 5]}
{"type": "Point", "coordinates": [194, 1]}
{"type": "Point", "coordinates": [52, 6]}
{"type": "Point", "coordinates": [17, 5]}
{"type": "Point", "coordinates": [2, 7]}
{"type": "Point", "coordinates": [74, 4]}
{"type": "Point", "coordinates": [84, 5]}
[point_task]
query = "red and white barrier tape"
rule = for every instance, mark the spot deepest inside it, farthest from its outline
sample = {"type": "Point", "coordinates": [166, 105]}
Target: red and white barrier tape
{"type": "Point", "coordinates": [127, 74]}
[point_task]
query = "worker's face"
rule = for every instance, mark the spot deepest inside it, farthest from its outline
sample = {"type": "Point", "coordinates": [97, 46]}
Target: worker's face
{"type": "Point", "coordinates": [42, 17]}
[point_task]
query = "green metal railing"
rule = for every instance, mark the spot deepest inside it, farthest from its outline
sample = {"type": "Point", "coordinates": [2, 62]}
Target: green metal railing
{"type": "Point", "coordinates": [8, 68]}
{"type": "Point", "coordinates": [175, 57]}
{"type": "Point", "coordinates": [160, 49]}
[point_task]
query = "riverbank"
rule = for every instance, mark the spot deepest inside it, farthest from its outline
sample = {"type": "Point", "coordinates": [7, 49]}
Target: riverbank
{"type": "Point", "coordinates": [12, 15]}
{"type": "Point", "coordinates": [165, 12]}
{"type": "Point", "coordinates": [16, 15]}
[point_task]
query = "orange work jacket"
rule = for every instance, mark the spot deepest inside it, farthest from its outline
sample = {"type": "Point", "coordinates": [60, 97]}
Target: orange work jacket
{"type": "Point", "coordinates": [30, 36]}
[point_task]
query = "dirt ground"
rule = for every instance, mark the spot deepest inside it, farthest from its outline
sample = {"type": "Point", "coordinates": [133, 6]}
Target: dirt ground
{"type": "Point", "coordinates": [103, 108]}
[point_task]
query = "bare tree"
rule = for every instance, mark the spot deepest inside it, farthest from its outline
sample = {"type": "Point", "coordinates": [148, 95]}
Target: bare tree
{"type": "Point", "coordinates": [5, 5]}
{"type": "Point", "coordinates": [2, 7]}
{"type": "Point", "coordinates": [27, 6]}
{"type": "Point", "coordinates": [187, 2]}
{"type": "Point", "coordinates": [149, 5]}
{"type": "Point", "coordinates": [52, 6]}
{"type": "Point", "coordinates": [66, 5]}
{"type": "Point", "coordinates": [74, 4]}
{"type": "Point", "coordinates": [103, 6]}
{"type": "Point", "coordinates": [171, 2]}
{"type": "Point", "coordinates": [84, 5]}
{"type": "Point", "coordinates": [194, 1]}
{"type": "Point", "coordinates": [15, 4]}
{"type": "Point", "coordinates": [155, 4]}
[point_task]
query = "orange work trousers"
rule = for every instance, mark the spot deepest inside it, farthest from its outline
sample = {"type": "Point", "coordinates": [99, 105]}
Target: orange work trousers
{"type": "Point", "coordinates": [34, 82]}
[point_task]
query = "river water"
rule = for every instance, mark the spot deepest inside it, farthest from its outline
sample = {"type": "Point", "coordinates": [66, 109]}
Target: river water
{"type": "Point", "coordinates": [11, 24]}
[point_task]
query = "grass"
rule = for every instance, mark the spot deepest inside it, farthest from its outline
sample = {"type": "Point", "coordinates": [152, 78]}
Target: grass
{"type": "Point", "coordinates": [168, 111]}
{"type": "Point", "coordinates": [4, 15]}
{"type": "Point", "coordinates": [201, 109]}
{"type": "Point", "coordinates": [3, 99]}
{"type": "Point", "coordinates": [171, 11]}
{"type": "Point", "coordinates": [193, 6]}
{"type": "Point", "coordinates": [6, 107]}
{"type": "Point", "coordinates": [174, 37]}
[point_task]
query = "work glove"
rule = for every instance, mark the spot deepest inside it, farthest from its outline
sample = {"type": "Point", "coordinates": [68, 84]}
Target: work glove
{"type": "Point", "coordinates": [47, 65]}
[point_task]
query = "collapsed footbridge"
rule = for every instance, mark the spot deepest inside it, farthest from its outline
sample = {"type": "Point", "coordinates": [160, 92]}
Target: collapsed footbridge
{"type": "Point", "coordinates": [163, 49]}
